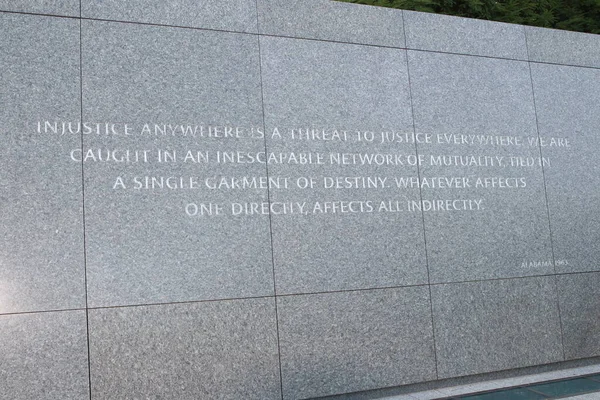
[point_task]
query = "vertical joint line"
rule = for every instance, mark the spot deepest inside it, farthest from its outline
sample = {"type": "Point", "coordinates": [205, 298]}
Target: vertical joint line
{"type": "Point", "coordinates": [537, 127]}
{"type": "Point", "coordinates": [414, 129]}
{"type": "Point", "coordinates": [87, 320]}
{"type": "Point", "coordinates": [262, 98]}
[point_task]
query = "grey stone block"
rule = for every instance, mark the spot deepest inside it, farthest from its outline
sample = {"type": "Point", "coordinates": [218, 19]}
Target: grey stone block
{"type": "Point", "coordinates": [427, 31]}
{"type": "Point", "coordinates": [484, 204]}
{"type": "Point", "coordinates": [463, 94]}
{"type": "Point", "coordinates": [229, 15]}
{"type": "Point", "coordinates": [331, 20]}
{"type": "Point", "coordinates": [495, 325]}
{"type": "Point", "coordinates": [210, 350]}
{"type": "Point", "coordinates": [580, 311]}
{"type": "Point", "coordinates": [333, 244]}
{"type": "Point", "coordinates": [568, 108]}
{"type": "Point", "coordinates": [145, 243]}
{"type": "Point", "coordinates": [485, 221]}
{"type": "Point", "coordinates": [337, 343]}
{"type": "Point", "coordinates": [44, 356]}
{"type": "Point", "coordinates": [53, 7]}
{"type": "Point", "coordinates": [41, 227]}
{"type": "Point", "coordinates": [563, 47]}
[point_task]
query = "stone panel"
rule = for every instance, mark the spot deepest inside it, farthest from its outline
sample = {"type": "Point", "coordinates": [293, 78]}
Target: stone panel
{"type": "Point", "coordinates": [568, 109]}
{"type": "Point", "coordinates": [449, 34]}
{"type": "Point", "coordinates": [159, 226]}
{"type": "Point", "coordinates": [228, 15]}
{"type": "Point", "coordinates": [53, 7]}
{"type": "Point", "coordinates": [495, 325]}
{"type": "Point", "coordinates": [563, 47]}
{"type": "Point", "coordinates": [44, 356]}
{"type": "Point", "coordinates": [580, 311]}
{"type": "Point", "coordinates": [353, 341]}
{"type": "Point", "coordinates": [41, 229]}
{"type": "Point", "coordinates": [331, 20]}
{"type": "Point", "coordinates": [481, 171]}
{"type": "Point", "coordinates": [211, 350]}
{"type": "Point", "coordinates": [348, 227]}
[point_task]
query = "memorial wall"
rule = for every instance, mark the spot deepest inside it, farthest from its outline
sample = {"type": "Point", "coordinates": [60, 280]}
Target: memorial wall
{"type": "Point", "coordinates": [281, 199]}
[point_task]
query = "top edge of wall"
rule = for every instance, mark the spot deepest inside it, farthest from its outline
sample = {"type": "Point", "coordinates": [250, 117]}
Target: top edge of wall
{"type": "Point", "coordinates": [330, 20]}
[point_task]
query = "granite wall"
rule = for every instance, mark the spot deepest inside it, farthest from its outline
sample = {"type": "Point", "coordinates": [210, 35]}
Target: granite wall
{"type": "Point", "coordinates": [266, 199]}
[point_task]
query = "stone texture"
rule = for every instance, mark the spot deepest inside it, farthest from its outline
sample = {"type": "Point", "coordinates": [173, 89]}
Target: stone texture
{"type": "Point", "coordinates": [210, 350]}
{"type": "Point", "coordinates": [563, 47]}
{"type": "Point", "coordinates": [580, 311]}
{"type": "Point", "coordinates": [41, 230]}
{"type": "Point", "coordinates": [345, 342]}
{"type": "Point", "coordinates": [345, 88]}
{"type": "Point", "coordinates": [229, 15]}
{"type": "Point", "coordinates": [495, 325]}
{"type": "Point", "coordinates": [44, 356]}
{"type": "Point", "coordinates": [142, 245]}
{"type": "Point", "coordinates": [480, 117]}
{"type": "Point", "coordinates": [53, 7]}
{"type": "Point", "coordinates": [331, 20]}
{"type": "Point", "coordinates": [449, 34]}
{"type": "Point", "coordinates": [462, 94]}
{"type": "Point", "coordinates": [568, 108]}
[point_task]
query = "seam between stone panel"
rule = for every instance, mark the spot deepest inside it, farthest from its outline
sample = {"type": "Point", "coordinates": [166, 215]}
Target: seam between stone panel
{"type": "Point", "coordinates": [301, 38]}
{"type": "Point", "coordinates": [41, 312]}
{"type": "Point", "coordinates": [262, 100]}
{"type": "Point", "coordinates": [414, 129]}
{"type": "Point", "coordinates": [40, 14]}
{"type": "Point", "coordinates": [174, 303]}
{"type": "Point", "coordinates": [87, 320]}
{"type": "Point", "coordinates": [526, 30]}
{"type": "Point", "coordinates": [537, 127]}
{"type": "Point", "coordinates": [295, 294]}
{"type": "Point", "coordinates": [563, 65]}
{"type": "Point", "coordinates": [257, 17]}
{"type": "Point", "coordinates": [404, 29]}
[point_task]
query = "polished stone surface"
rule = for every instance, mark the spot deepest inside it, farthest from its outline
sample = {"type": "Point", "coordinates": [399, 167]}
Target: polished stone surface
{"type": "Point", "coordinates": [44, 356]}
{"type": "Point", "coordinates": [210, 350]}
{"type": "Point", "coordinates": [471, 95]}
{"type": "Point", "coordinates": [345, 342]}
{"type": "Point", "coordinates": [52, 7]}
{"type": "Point", "coordinates": [486, 231]}
{"type": "Point", "coordinates": [449, 34]}
{"type": "Point", "coordinates": [322, 20]}
{"type": "Point", "coordinates": [480, 115]}
{"type": "Point", "coordinates": [229, 15]}
{"type": "Point", "coordinates": [334, 244]}
{"type": "Point", "coordinates": [568, 109]}
{"type": "Point", "coordinates": [147, 240]}
{"type": "Point", "coordinates": [580, 310]}
{"type": "Point", "coordinates": [41, 228]}
{"type": "Point", "coordinates": [495, 325]}
{"type": "Point", "coordinates": [258, 215]}
{"type": "Point", "coordinates": [563, 47]}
